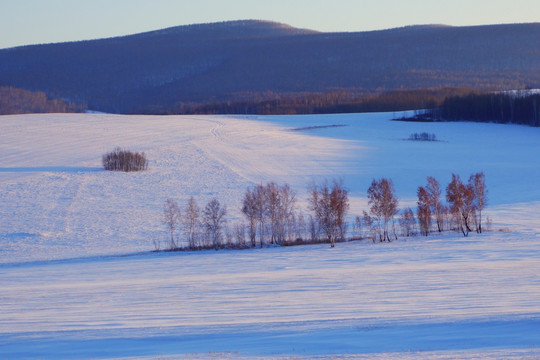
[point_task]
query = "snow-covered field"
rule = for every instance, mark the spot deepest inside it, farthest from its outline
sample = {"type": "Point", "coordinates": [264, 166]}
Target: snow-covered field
{"type": "Point", "coordinates": [78, 280]}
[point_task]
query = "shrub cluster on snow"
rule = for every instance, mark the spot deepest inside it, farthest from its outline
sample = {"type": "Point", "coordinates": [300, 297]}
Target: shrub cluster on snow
{"type": "Point", "coordinates": [124, 160]}
{"type": "Point", "coordinates": [424, 136]}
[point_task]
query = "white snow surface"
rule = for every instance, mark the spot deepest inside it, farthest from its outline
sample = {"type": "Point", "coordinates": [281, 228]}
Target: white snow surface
{"type": "Point", "coordinates": [78, 280]}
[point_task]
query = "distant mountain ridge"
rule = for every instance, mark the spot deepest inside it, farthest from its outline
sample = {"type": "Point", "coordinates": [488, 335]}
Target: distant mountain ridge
{"type": "Point", "coordinates": [203, 63]}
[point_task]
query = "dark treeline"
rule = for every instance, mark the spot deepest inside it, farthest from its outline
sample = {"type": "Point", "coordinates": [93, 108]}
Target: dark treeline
{"type": "Point", "coordinates": [19, 101]}
{"type": "Point", "coordinates": [508, 108]}
{"type": "Point", "coordinates": [344, 101]}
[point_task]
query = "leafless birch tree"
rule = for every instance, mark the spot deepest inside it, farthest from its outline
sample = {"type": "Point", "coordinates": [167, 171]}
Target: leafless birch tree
{"type": "Point", "coordinates": [477, 183]}
{"type": "Point", "coordinates": [383, 206]}
{"type": "Point", "coordinates": [250, 210]}
{"type": "Point", "coordinates": [273, 203]}
{"type": "Point", "coordinates": [407, 222]}
{"type": "Point", "coordinates": [213, 220]}
{"type": "Point", "coordinates": [370, 231]}
{"type": "Point", "coordinates": [190, 221]}
{"type": "Point", "coordinates": [261, 209]}
{"type": "Point", "coordinates": [286, 218]}
{"type": "Point", "coordinates": [329, 208]}
{"type": "Point", "coordinates": [269, 206]}
{"type": "Point", "coordinates": [171, 217]}
{"type": "Point", "coordinates": [434, 191]}
{"type": "Point", "coordinates": [460, 197]}
{"type": "Point", "coordinates": [424, 210]}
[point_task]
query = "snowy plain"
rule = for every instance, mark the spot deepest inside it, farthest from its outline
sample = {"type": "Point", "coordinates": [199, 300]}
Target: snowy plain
{"type": "Point", "coordinates": [79, 281]}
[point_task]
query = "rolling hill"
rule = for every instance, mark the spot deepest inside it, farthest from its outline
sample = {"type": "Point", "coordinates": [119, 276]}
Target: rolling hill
{"type": "Point", "coordinates": [158, 70]}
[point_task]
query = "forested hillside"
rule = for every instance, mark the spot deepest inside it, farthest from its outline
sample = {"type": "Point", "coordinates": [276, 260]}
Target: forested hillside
{"type": "Point", "coordinates": [182, 67]}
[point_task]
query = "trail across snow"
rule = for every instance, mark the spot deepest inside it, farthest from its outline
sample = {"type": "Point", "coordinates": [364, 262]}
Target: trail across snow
{"type": "Point", "coordinates": [78, 280]}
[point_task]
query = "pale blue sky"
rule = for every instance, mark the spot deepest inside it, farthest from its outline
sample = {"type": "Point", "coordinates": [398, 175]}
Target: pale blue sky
{"type": "Point", "coordinates": [42, 21]}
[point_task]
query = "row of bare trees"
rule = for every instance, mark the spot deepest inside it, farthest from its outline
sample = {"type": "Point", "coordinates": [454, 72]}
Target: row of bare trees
{"type": "Point", "coordinates": [463, 211]}
{"type": "Point", "coordinates": [467, 201]}
{"type": "Point", "coordinates": [273, 219]}
{"type": "Point", "coordinates": [329, 205]}
{"type": "Point", "coordinates": [202, 229]}
{"type": "Point", "coordinates": [270, 212]}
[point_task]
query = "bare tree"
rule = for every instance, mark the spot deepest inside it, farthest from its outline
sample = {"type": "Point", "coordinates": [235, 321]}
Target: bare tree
{"type": "Point", "coordinates": [314, 229]}
{"type": "Point", "coordinates": [171, 217]}
{"type": "Point", "coordinates": [469, 210]}
{"type": "Point", "coordinates": [250, 210]}
{"type": "Point", "coordinates": [370, 230]}
{"type": "Point", "coordinates": [454, 196]}
{"type": "Point", "coordinates": [339, 201]}
{"type": "Point", "coordinates": [316, 209]}
{"type": "Point", "coordinates": [292, 228]}
{"type": "Point", "coordinates": [240, 235]}
{"type": "Point", "coordinates": [424, 210]}
{"type": "Point", "coordinates": [460, 197]}
{"type": "Point", "coordinates": [383, 206]}
{"type": "Point", "coordinates": [261, 211]}
{"type": "Point", "coordinates": [477, 183]}
{"type": "Point", "coordinates": [407, 222]}
{"type": "Point", "coordinates": [228, 234]}
{"type": "Point", "coordinates": [273, 204]}
{"type": "Point", "coordinates": [286, 218]}
{"type": "Point", "coordinates": [213, 220]}
{"type": "Point", "coordinates": [329, 207]}
{"type": "Point", "coordinates": [434, 191]}
{"type": "Point", "coordinates": [326, 217]}
{"type": "Point", "coordinates": [190, 221]}
{"type": "Point", "coordinates": [357, 227]}
{"type": "Point", "coordinates": [301, 228]}
{"type": "Point", "coordinates": [445, 216]}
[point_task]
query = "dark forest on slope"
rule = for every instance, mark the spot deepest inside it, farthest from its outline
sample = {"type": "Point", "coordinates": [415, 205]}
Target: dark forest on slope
{"type": "Point", "coordinates": [189, 67]}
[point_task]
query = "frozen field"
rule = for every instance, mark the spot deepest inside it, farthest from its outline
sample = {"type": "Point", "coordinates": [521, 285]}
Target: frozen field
{"type": "Point", "coordinates": [78, 280]}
